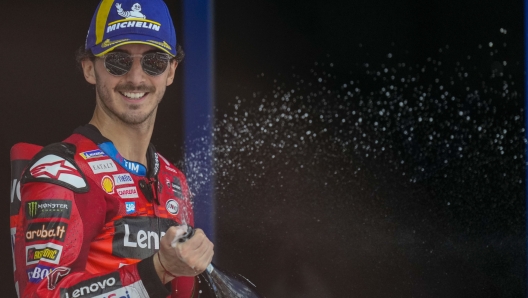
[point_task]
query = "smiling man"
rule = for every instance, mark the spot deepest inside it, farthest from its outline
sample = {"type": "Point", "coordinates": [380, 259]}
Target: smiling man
{"type": "Point", "coordinates": [100, 210]}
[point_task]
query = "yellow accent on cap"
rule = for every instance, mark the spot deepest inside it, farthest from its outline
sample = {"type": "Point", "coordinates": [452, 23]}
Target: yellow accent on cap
{"type": "Point", "coordinates": [133, 42]}
{"type": "Point", "coordinates": [134, 19]}
{"type": "Point", "coordinates": [163, 44]}
{"type": "Point", "coordinates": [108, 43]}
{"type": "Point", "coordinates": [100, 19]}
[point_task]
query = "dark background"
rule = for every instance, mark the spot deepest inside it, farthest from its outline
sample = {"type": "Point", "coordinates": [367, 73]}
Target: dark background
{"type": "Point", "coordinates": [325, 229]}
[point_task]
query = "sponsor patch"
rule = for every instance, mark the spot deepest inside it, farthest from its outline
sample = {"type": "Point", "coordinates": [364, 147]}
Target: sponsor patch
{"type": "Point", "coordinates": [92, 154]}
{"type": "Point", "coordinates": [122, 179]}
{"type": "Point", "coordinates": [172, 207]}
{"type": "Point", "coordinates": [49, 252]}
{"type": "Point", "coordinates": [46, 231]}
{"type": "Point", "coordinates": [107, 184]}
{"type": "Point", "coordinates": [130, 207]}
{"type": "Point", "coordinates": [37, 274]}
{"type": "Point", "coordinates": [57, 168]}
{"type": "Point", "coordinates": [94, 287]}
{"type": "Point", "coordinates": [133, 167]}
{"type": "Point", "coordinates": [56, 275]}
{"type": "Point", "coordinates": [176, 187]}
{"type": "Point", "coordinates": [135, 240]}
{"type": "Point", "coordinates": [48, 209]}
{"type": "Point", "coordinates": [132, 18]}
{"type": "Point", "coordinates": [128, 192]}
{"type": "Point", "coordinates": [103, 166]}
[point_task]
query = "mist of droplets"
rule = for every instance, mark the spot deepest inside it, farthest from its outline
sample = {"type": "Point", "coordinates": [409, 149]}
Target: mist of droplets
{"type": "Point", "coordinates": [451, 119]}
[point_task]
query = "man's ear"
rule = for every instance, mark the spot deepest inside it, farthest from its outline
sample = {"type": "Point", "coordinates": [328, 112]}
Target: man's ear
{"type": "Point", "coordinates": [89, 70]}
{"type": "Point", "coordinates": [172, 71]}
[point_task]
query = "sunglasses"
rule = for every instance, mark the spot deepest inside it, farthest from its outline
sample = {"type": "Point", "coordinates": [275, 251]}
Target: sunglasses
{"type": "Point", "coordinates": [119, 63]}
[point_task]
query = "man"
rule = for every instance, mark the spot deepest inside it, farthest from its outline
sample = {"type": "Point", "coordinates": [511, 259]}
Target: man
{"type": "Point", "coordinates": [99, 212]}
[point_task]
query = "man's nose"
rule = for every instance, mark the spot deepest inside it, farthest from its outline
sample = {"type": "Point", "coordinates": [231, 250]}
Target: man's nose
{"type": "Point", "coordinates": [136, 75]}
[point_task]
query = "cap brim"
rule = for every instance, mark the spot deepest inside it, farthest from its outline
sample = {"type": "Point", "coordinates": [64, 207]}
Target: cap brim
{"type": "Point", "coordinates": [109, 45]}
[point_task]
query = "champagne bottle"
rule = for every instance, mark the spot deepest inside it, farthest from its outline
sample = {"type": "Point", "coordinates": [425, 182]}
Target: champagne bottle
{"type": "Point", "coordinates": [218, 283]}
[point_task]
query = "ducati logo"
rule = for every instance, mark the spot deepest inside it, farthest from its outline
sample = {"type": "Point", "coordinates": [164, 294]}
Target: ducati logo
{"type": "Point", "coordinates": [56, 275]}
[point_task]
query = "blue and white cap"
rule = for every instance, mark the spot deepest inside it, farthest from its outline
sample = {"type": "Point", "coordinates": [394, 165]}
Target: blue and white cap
{"type": "Point", "coordinates": [116, 23]}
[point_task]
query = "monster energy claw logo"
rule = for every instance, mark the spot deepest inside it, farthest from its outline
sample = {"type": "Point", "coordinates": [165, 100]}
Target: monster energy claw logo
{"type": "Point", "coordinates": [48, 209]}
{"type": "Point", "coordinates": [32, 206]}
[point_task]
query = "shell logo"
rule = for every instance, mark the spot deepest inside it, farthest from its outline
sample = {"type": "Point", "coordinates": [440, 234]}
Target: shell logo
{"type": "Point", "coordinates": [107, 184]}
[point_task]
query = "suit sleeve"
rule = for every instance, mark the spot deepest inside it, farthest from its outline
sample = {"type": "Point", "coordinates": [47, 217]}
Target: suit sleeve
{"type": "Point", "coordinates": [56, 225]}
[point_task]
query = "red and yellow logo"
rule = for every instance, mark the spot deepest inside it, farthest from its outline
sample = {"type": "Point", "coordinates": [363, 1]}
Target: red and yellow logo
{"type": "Point", "coordinates": [107, 184]}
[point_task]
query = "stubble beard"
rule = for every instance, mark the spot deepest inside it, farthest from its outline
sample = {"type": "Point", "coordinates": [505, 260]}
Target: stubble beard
{"type": "Point", "coordinates": [108, 104]}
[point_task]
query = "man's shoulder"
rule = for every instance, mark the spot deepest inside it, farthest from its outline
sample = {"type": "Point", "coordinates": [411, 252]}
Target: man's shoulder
{"type": "Point", "coordinates": [55, 164]}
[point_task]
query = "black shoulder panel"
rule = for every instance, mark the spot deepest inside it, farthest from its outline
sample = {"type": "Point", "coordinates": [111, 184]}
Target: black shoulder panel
{"type": "Point", "coordinates": [55, 164]}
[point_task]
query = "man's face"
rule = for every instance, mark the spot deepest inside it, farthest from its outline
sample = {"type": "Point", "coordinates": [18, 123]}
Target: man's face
{"type": "Point", "coordinates": [134, 97]}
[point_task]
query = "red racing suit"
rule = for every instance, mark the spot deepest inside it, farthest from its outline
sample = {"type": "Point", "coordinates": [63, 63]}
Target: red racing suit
{"type": "Point", "coordinates": [85, 222]}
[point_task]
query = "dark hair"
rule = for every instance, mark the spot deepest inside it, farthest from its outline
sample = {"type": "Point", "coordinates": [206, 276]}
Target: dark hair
{"type": "Point", "coordinates": [82, 53]}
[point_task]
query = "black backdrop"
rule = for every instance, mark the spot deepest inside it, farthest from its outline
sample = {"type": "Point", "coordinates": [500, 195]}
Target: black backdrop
{"type": "Point", "coordinates": [321, 219]}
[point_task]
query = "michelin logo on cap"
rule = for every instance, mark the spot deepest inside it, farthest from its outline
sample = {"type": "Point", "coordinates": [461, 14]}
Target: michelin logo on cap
{"type": "Point", "coordinates": [132, 16]}
{"type": "Point", "coordinates": [121, 22]}
{"type": "Point", "coordinates": [134, 13]}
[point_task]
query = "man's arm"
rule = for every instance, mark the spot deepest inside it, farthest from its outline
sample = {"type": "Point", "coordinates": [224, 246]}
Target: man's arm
{"type": "Point", "coordinates": [55, 229]}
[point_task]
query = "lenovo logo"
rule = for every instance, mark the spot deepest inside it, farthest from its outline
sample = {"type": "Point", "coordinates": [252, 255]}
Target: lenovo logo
{"type": "Point", "coordinates": [97, 286]}
{"type": "Point", "coordinates": [139, 237]}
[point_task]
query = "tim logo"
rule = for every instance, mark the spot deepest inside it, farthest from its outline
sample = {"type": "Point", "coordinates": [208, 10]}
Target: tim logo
{"type": "Point", "coordinates": [132, 166]}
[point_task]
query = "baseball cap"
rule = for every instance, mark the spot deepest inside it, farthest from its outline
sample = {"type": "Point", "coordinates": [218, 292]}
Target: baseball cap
{"type": "Point", "coordinates": [116, 23]}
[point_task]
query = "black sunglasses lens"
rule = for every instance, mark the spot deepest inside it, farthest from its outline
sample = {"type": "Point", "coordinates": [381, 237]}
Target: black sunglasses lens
{"type": "Point", "coordinates": [155, 64]}
{"type": "Point", "coordinates": [117, 63]}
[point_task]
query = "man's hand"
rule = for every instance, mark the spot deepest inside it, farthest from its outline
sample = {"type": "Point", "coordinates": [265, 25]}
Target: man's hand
{"type": "Point", "coordinates": [188, 258]}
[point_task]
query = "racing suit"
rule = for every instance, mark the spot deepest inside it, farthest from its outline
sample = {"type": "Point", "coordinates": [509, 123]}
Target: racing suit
{"type": "Point", "coordinates": [85, 222]}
